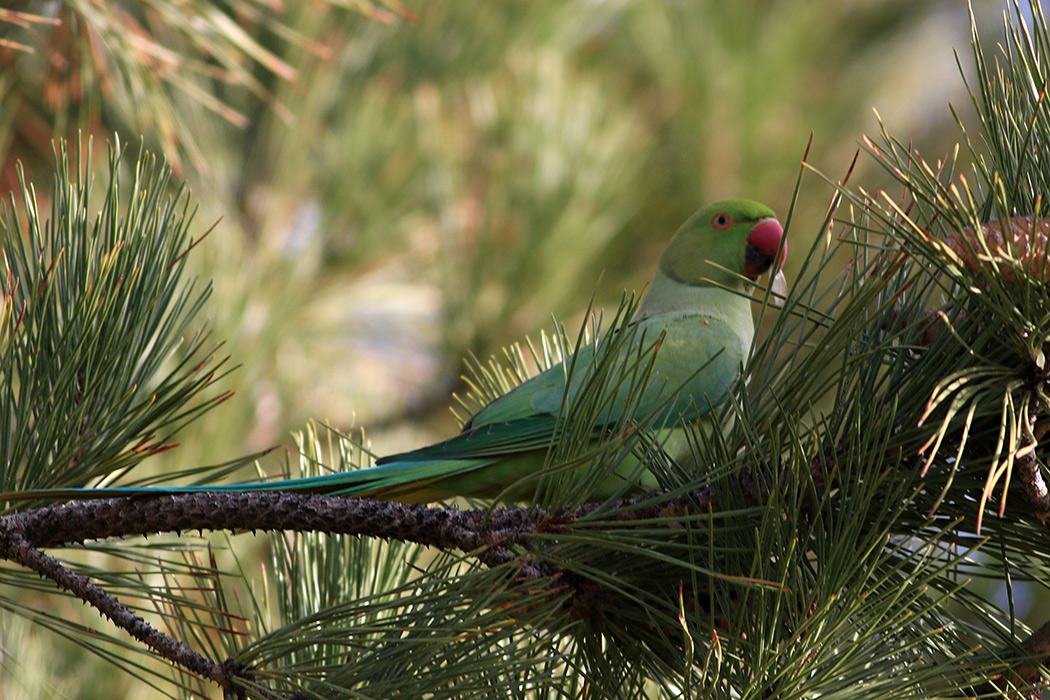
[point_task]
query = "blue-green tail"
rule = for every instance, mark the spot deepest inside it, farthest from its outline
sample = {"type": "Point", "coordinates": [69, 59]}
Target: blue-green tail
{"type": "Point", "coordinates": [402, 481]}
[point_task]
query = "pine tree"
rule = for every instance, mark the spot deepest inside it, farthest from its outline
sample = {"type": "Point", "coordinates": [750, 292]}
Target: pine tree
{"type": "Point", "coordinates": [884, 457]}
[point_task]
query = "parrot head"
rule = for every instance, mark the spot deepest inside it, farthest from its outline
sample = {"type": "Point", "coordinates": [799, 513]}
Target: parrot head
{"type": "Point", "coordinates": [724, 240]}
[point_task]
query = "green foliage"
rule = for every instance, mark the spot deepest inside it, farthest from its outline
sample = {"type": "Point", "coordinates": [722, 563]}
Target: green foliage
{"type": "Point", "coordinates": [985, 373]}
{"type": "Point", "coordinates": [94, 314]}
{"type": "Point", "coordinates": [374, 622]}
{"type": "Point", "coordinates": [101, 367]}
{"type": "Point", "coordinates": [859, 474]}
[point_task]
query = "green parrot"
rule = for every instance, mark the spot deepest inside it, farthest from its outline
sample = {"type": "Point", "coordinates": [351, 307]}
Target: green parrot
{"type": "Point", "coordinates": [697, 322]}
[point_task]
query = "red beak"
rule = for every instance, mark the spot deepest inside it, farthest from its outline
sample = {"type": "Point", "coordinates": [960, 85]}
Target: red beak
{"type": "Point", "coordinates": [763, 243]}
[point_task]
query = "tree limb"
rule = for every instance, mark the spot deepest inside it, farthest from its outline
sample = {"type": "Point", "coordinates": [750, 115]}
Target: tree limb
{"type": "Point", "coordinates": [14, 546]}
{"type": "Point", "coordinates": [488, 534]}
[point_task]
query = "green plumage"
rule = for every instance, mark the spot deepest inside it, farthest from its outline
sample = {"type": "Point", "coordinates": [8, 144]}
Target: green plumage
{"type": "Point", "coordinates": [692, 331]}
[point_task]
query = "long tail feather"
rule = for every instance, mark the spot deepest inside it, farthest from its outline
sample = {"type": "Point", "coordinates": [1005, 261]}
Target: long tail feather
{"type": "Point", "coordinates": [406, 482]}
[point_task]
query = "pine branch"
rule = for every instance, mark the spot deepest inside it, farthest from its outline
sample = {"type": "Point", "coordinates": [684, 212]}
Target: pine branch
{"type": "Point", "coordinates": [1030, 476]}
{"type": "Point", "coordinates": [488, 533]}
{"type": "Point", "coordinates": [1029, 673]}
{"type": "Point", "coordinates": [1027, 679]}
{"type": "Point", "coordinates": [14, 546]}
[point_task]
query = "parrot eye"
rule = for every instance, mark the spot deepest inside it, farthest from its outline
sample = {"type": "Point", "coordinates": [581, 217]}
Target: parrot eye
{"type": "Point", "coordinates": [721, 221]}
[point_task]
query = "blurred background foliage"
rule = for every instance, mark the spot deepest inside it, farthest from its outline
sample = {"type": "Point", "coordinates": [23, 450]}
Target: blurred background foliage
{"type": "Point", "coordinates": [400, 183]}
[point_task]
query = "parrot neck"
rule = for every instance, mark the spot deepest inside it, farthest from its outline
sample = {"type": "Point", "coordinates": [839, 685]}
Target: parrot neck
{"type": "Point", "coordinates": [669, 296]}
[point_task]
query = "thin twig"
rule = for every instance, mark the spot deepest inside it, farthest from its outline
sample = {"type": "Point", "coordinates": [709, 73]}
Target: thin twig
{"type": "Point", "coordinates": [1025, 680]}
{"type": "Point", "coordinates": [15, 547]}
{"type": "Point", "coordinates": [1038, 646]}
{"type": "Point", "coordinates": [1034, 486]}
{"type": "Point", "coordinates": [1030, 474]}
